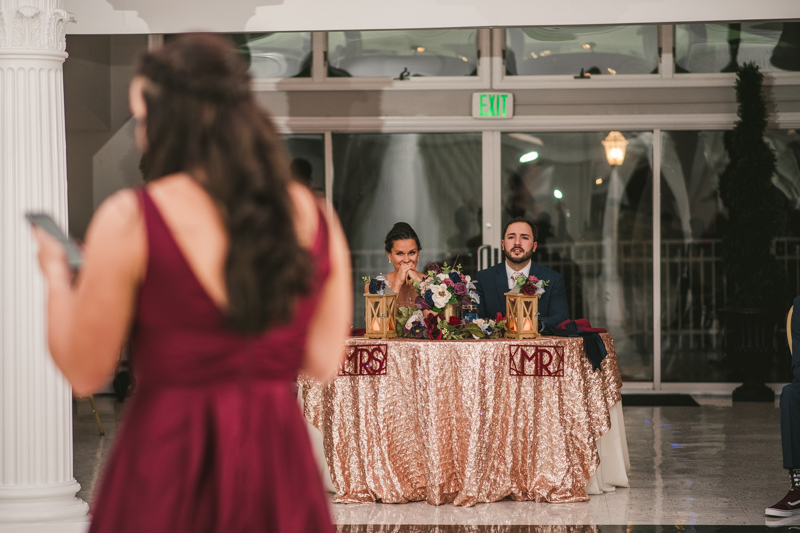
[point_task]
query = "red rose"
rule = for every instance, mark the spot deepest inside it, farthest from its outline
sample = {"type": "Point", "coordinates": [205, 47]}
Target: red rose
{"type": "Point", "coordinates": [447, 282]}
{"type": "Point", "coordinates": [499, 317]}
{"type": "Point", "coordinates": [533, 279]}
{"type": "Point", "coordinates": [529, 289]}
{"type": "Point", "coordinates": [454, 321]}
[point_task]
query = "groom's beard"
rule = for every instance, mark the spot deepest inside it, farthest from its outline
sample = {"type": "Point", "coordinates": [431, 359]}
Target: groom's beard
{"type": "Point", "coordinates": [521, 260]}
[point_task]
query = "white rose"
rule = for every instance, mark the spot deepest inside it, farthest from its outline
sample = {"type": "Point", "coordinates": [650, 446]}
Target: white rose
{"type": "Point", "coordinates": [441, 296]}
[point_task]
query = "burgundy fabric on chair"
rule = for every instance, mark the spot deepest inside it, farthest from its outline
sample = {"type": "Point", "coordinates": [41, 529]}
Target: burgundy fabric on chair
{"type": "Point", "coordinates": [583, 324]}
{"type": "Point", "coordinates": [213, 439]}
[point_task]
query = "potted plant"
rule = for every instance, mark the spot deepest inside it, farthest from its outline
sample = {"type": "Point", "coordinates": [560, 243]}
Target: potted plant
{"type": "Point", "coordinates": [756, 280]}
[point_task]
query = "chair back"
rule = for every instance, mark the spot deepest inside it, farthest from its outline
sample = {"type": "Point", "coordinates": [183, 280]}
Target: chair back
{"type": "Point", "coordinates": [789, 327]}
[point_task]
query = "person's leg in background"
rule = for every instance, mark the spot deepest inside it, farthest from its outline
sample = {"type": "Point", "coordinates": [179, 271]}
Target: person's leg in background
{"type": "Point", "coordinates": [790, 427]}
{"type": "Point", "coordinates": [790, 440]}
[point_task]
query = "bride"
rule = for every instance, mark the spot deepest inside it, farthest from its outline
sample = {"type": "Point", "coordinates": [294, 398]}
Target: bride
{"type": "Point", "coordinates": [402, 250]}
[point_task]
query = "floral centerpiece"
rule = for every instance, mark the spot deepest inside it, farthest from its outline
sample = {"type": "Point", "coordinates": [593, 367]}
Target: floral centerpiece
{"type": "Point", "coordinates": [444, 286]}
{"type": "Point", "coordinates": [416, 323]}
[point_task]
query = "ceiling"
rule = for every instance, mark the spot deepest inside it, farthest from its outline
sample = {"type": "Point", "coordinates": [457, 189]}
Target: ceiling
{"type": "Point", "coordinates": [159, 16]}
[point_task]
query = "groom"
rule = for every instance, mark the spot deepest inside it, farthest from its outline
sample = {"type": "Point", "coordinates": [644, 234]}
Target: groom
{"type": "Point", "coordinates": [519, 243]}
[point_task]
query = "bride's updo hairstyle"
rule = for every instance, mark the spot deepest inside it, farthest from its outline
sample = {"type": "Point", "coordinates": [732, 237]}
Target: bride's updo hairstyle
{"type": "Point", "coordinates": [400, 232]}
{"type": "Point", "coordinates": [202, 120]}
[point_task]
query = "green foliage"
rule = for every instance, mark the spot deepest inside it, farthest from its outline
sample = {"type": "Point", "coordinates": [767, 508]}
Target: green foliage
{"type": "Point", "coordinates": [755, 209]}
{"type": "Point", "coordinates": [403, 314]}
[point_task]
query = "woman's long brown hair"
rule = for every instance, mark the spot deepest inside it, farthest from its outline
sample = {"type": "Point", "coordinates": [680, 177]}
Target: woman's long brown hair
{"type": "Point", "coordinates": [203, 120]}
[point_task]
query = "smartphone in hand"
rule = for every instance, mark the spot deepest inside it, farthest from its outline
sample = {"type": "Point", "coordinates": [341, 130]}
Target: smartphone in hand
{"type": "Point", "coordinates": [46, 222]}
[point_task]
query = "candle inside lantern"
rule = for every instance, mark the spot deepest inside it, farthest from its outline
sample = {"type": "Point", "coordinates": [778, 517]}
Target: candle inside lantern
{"type": "Point", "coordinates": [526, 325]}
{"type": "Point", "coordinates": [512, 325]}
{"type": "Point", "coordinates": [376, 326]}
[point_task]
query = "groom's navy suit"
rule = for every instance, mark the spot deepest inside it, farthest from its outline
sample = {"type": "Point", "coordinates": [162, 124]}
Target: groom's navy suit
{"type": "Point", "coordinates": [493, 285]}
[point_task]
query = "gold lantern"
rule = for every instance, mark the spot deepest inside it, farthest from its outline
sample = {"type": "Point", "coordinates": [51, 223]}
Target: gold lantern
{"type": "Point", "coordinates": [615, 145]}
{"type": "Point", "coordinates": [522, 316]}
{"type": "Point", "coordinates": [381, 315]}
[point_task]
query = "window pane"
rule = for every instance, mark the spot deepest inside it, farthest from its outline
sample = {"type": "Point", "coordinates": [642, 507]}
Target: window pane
{"type": "Point", "coordinates": [274, 55]}
{"type": "Point", "coordinates": [307, 153]}
{"type": "Point", "coordinates": [415, 53]}
{"type": "Point", "coordinates": [693, 223]}
{"type": "Point", "coordinates": [605, 50]}
{"type": "Point", "coordinates": [773, 46]}
{"type": "Point", "coordinates": [595, 228]}
{"type": "Point", "coordinates": [432, 181]}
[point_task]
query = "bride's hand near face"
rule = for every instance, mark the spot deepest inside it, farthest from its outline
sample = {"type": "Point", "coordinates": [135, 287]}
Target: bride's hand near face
{"type": "Point", "coordinates": [406, 273]}
{"type": "Point", "coordinates": [401, 276]}
{"type": "Point", "coordinates": [412, 275]}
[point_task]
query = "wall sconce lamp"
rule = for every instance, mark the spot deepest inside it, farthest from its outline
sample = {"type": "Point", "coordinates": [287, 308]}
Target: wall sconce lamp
{"type": "Point", "coordinates": [615, 145]}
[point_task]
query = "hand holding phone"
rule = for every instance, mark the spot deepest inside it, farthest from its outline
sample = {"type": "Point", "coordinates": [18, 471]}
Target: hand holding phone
{"type": "Point", "coordinates": [46, 222]}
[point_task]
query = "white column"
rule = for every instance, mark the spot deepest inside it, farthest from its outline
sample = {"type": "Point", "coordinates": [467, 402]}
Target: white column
{"type": "Point", "coordinates": [37, 488]}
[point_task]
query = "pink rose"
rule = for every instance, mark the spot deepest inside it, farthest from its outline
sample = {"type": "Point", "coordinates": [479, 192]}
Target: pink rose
{"type": "Point", "coordinates": [447, 282]}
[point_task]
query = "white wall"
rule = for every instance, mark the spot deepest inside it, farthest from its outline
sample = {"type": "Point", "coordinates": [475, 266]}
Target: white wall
{"type": "Point", "coordinates": [159, 16]}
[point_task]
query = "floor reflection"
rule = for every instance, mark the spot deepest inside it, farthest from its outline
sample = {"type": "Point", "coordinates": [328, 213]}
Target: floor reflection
{"type": "Point", "coordinates": [709, 468]}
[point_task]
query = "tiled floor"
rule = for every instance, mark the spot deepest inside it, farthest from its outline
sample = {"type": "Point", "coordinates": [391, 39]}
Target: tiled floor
{"type": "Point", "coordinates": [714, 465]}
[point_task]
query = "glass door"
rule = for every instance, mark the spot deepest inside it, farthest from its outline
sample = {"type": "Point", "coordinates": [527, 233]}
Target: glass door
{"type": "Point", "coordinates": [595, 228]}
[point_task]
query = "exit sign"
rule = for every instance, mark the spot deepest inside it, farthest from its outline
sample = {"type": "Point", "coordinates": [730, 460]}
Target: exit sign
{"type": "Point", "coordinates": [492, 105]}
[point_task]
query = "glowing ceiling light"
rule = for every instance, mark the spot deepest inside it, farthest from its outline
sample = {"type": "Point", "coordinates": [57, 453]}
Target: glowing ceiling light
{"type": "Point", "coordinates": [586, 46]}
{"type": "Point", "coordinates": [598, 181]}
{"type": "Point", "coordinates": [530, 156]}
{"type": "Point", "coordinates": [611, 70]}
{"type": "Point", "coordinates": [420, 49]}
{"type": "Point", "coordinates": [545, 53]}
{"type": "Point", "coordinates": [558, 194]}
{"type": "Point", "coordinates": [533, 55]}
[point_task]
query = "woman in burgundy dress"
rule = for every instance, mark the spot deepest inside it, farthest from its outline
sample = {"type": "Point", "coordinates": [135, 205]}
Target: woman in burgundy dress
{"type": "Point", "coordinates": [229, 279]}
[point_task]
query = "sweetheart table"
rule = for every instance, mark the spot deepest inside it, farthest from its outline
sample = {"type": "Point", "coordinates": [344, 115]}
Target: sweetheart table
{"type": "Point", "coordinates": [464, 422]}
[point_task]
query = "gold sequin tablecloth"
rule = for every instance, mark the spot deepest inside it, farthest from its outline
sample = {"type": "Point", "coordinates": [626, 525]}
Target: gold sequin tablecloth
{"type": "Point", "coordinates": [445, 421]}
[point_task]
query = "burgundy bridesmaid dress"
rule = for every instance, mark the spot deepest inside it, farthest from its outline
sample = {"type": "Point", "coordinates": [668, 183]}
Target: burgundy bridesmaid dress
{"type": "Point", "coordinates": [213, 438]}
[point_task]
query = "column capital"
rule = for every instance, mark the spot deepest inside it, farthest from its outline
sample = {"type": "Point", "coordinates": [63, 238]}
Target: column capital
{"type": "Point", "coordinates": [33, 24]}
